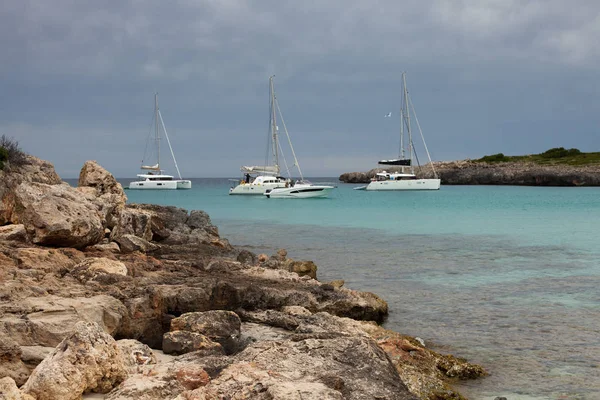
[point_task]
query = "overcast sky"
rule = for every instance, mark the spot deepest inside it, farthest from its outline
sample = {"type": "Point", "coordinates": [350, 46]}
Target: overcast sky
{"type": "Point", "coordinates": [485, 76]}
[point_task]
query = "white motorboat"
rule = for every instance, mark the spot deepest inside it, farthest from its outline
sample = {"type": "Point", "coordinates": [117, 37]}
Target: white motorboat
{"type": "Point", "coordinates": [301, 190]}
{"type": "Point", "coordinates": [404, 180]}
{"type": "Point", "coordinates": [154, 177]}
{"type": "Point", "coordinates": [260, 178]}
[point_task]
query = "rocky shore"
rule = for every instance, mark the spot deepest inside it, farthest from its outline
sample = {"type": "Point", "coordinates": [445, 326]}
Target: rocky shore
{"type": "Point", "coordinates": [137, 301]}
{"type": "Point", "coordinates": [467, 172]}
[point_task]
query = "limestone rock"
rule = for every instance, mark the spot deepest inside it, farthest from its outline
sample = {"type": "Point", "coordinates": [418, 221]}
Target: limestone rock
{"type": "Point", "coordinates": [111, 247]}
{"type": "Point", "coordinates": [52, 260]}
{"type": "Point", "coordinates": [57, 215]}
{"type": "Point", "coordinates": [131, 243]}
{"type": "Point", "coordinates": [91, 268]}
{"type": "Point", "coordinates": [332, 367]}
{"type": "Point", "coordinates": [10, 391]}
{"type": "Point", "coordinates": [134, 222]}
{"type": "Point", "coordinates": [219, 326]}
{"type": "Point", "coordinates": [95, 176]}
{"type": "Point", "coordinates": [11, 364]}
{"type": "Point", "coordinates": [102, 189]}
{"type": "Point", "coordinates": [13, 232]}
{"type": "Point", "coordinates": [304, 268]}
{"type": "Point", "coordinates": [181, 342]}
{"type": "Point", "coordinates": [135, 353]}
{"type": "Point", "coordinates": [47, 320]}
{"type": "Point", "coordinates": [87, 360]}
{"type": "Point", "coordinates": [192, 376]}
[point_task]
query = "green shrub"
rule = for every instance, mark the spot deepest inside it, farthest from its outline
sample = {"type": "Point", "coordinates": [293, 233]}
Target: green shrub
{"type": "Point", "coordinates": [560, 152]}
{"type": "Point", "coordinates": [500, 157]}
{"type": "Point", "coordinates": [3, 157]}
{"type": "Point", "coordinates": [11, 152]}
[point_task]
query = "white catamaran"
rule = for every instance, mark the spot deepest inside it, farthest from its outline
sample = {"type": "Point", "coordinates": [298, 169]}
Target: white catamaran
{"type": "Point", "coordinates": [155, 178]}
{"type": "Point", "coordinates": [404, 180]}
{"type": "Point", "coordinates": [266, 179]}
{"type": "Point", "coordinates": [259, 178]}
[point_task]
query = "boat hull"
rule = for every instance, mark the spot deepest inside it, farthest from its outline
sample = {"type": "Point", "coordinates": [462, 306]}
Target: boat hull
{"type": "Point", "coordinates": [408, 184]}
{"type": "Point", "coordinates": [249, 189]}
{"type": "Point", "coordinates": [302, 192]}
{"type": "Point", "coordinates": [162, 185]}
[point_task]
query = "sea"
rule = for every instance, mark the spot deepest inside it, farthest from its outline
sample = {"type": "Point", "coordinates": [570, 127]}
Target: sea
{"type": "Point", "coordinates": [507, 277]}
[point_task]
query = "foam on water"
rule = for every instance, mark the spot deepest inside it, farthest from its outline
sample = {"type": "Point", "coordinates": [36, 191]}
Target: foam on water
{"type": "Point", "coordinates": [505, 276]}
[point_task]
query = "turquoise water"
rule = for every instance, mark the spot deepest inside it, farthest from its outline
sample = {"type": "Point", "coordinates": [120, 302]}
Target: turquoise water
{"type": "Point", "coordinates": [507, 277]}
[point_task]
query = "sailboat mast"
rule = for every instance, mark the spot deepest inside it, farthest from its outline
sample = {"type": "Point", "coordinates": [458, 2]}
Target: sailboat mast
{"type": "Point", "coordinates": [410, 142]}
{"type": "Point", "coordinates": [402, 131]}
{"type": "Point", "coordinates": [274, 123]}
{"type": "Point", "coordinates": [157, 133]}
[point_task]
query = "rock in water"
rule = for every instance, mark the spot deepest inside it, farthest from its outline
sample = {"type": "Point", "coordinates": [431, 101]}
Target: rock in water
{"type": "Point", "coordinates": [86, 361]}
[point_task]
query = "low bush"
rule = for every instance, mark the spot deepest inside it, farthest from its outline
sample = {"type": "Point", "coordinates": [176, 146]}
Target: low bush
{"type": "Point", "coordinates": [560, 152]}
{"type": "Point", "coordinates": [11, 152]}
{"type": "Point", "coordinates": [500, 157]}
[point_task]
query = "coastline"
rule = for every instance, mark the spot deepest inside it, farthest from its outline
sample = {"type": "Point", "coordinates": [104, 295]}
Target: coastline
{"type": "Point", "coordinates": [468, 172]}
{"type": "Point", "coordinates": [67, 252]}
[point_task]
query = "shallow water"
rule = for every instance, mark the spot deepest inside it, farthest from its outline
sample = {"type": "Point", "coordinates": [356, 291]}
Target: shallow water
{"type": "Point", "coordinates": [506, 277]}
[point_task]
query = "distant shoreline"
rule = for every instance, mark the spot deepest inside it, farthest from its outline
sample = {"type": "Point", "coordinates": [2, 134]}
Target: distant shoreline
{"type": "Point", "coordinates": [469, 172]}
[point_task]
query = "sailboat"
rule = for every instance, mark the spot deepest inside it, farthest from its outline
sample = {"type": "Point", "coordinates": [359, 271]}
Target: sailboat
{"type": "Point", "coordinates": [153, 176]}
{"type": "Point", "coordinates": [302, 188]}
{"type": "Point", "coordinates": [404, 180]}
{"type": "Point", "coordinates": [258, 179]}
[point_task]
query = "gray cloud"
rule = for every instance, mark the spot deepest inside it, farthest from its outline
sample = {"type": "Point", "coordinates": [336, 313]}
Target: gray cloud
{"type": "Point", "coordinates": [485, 75]}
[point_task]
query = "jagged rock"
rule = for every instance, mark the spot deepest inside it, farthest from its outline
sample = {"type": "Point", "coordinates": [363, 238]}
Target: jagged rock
{"type": "Point", "coordinates": [296, 310]}
{"type": "Point", "coordinates": [192, 377]}
{"type": "Point", "coordinates": [13, 232]}
{"type": "Point", "coordinates": [219, 326]}
{"type": "Point", "coordinates": [223, 265]}
{"type": "Point", "coordinates": [181, 342]}
{"type": "Point", "coordinates": [135, 353]}
{"type": "Point", "coordinates": [158, 383]}
{"type": "Point", "coordinates": [47, 320]}
{"type": "Point", "coordinates": [57, 215]}
{"type": "Point", "coordinates": [200, 220]}
{"type": "Point", "coordinates": [91, 268]}
{"type": "Point", "coordinates": [33, 355]}
{"type": "Point", "coordinates": [304, 268]}
{"type": "Point", "coordinates": [46, 260]}
{"type": "Point", "coordinates": [247, 257]}
{"type": "Point", "coordinates": [11, 364]}
{"type": "Point", "coordinates": [337, 283]}
{"type": "Point", "coordinates": [95, 176]}
{"type": "Point", "coordinates": [111, 247]}
{"type": "Point", "coordinates": [87, 360]}
{"type": "Point", "coordinates": [10, 391]}
{"type": "Point", "coordinates": [131, 243]}
{"type": "Point", "coordinates": [102, 189]}
{"type": "Point", "coordinates": [309, 367]}
{"type": "Point", "coordinates": [132, 222]}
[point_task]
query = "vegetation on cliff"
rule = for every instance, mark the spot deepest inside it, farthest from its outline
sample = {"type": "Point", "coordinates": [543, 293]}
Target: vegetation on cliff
{"type": "Point", "coordinates": [11, 152]}
{"type": "Point", "coordinates": [554, 156]}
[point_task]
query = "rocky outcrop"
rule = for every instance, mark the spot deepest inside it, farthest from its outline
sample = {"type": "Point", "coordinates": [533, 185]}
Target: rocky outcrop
{"type": "Point", "coordinates": [88, 360]}
{"type": "Point", "coordinates": [161, 278]}
{"type": "Point", "coordinates": [467, 172]}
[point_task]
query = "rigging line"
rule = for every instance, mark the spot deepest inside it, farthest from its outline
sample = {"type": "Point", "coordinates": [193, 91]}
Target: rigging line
{"type": "Point", "coordinates": [169, 142]}
{"type": "Point", "coordinates": [289, 141]}
{"type": "Point", "coordinates": [148, 138]}
{"type": "Point", "coordinates": [423, 138]}
{"type": "Point", "coordinates": [269, 131]}
{"type": "Point", "coordinates": [289, 174]}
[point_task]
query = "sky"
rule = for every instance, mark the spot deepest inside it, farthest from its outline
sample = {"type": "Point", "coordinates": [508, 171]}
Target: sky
{"type": "Point", "coordinates": [78, 77]}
